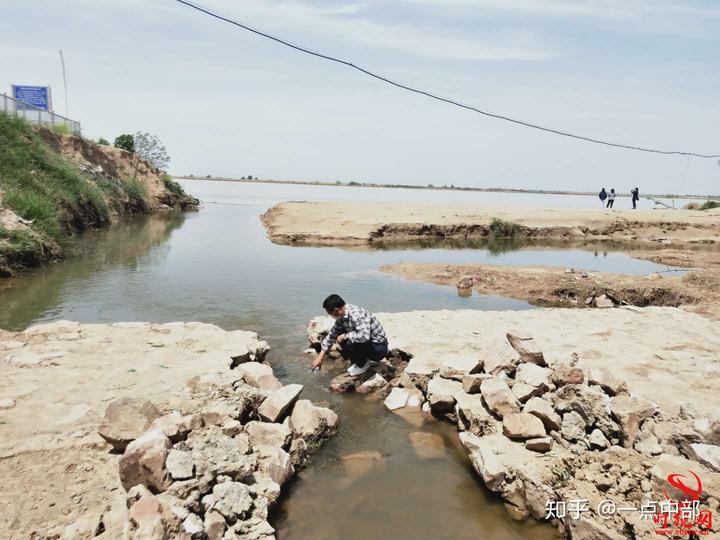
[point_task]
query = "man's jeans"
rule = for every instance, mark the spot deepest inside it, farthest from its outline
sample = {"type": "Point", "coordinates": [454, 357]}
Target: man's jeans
{"type": "Point", "coordinates": [359, 353]}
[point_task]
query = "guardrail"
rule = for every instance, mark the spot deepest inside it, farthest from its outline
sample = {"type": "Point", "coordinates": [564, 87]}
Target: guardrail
{"type": "Point", "coordinates": [35, 115]}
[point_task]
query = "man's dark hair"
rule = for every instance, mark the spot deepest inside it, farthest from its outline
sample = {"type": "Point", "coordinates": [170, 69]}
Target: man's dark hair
{"type": "Point", "coordinates": [333, 302]}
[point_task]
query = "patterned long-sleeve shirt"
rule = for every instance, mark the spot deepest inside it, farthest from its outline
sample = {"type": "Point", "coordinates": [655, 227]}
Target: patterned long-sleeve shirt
{"type": "Point", "coordinates": [359, 326]}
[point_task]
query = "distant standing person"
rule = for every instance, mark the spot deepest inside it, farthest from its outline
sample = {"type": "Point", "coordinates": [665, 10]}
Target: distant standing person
{"type": "Point", "coordinates": [611, 198]}
{"type": "Point", "coordinates": [603, 196]}
{"type": "Point", "coordinates": [635, 197]}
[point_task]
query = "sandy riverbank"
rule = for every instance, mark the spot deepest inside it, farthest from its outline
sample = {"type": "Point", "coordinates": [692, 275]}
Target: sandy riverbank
{"type": "Point", "coordinates": [698, 291]}
{"type": "Point", "coordinates": [362, 223]}
{"type": "Point", "coordinates": [56, 382]}
{"type": "Point", "coordinates": [598, 404]}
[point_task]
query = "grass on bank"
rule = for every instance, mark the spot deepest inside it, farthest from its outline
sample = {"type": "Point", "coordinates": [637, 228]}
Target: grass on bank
{"type": "Point", "coordinates": [502, 228]}
{"type": "Point", "coordinates": [40, 186]}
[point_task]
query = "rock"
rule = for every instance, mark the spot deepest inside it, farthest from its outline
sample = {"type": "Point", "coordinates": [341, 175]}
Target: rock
{"type": "Point", "coordinates": [231, 499]}
{"type": "Point", "coordinates": [174, 425]}
{"type": "Point", "coordinates": [125, 420]}
{"type": "Point", "coordinates": [259, 375]}
{"type": "Point", "coordinates": [457, 367]}
{"type": "Point", "coordinates": [630, 412]}
{"type": "Point", "coordinates": [533, 375]}
{"type": "Point", "coordinates": [268, 434]}
{"type": "Point", "coordinates": [465, 282]}
{"type": "Point", "coordinates": [146, 518]}
{"type": "Point", "coordinates": [471, 383]}
{"type": "Point", "coordinates": [646, 442]}
{"type": "Point", "coordinates": [144, 462]}
{"type": "Point", "coordinates": [707, 454]}
{"type": "Point", "coordinates": [708, 428]}
{"type": "Point", "coordinates": [361, 463]}
{"type": "Point", "coordinates": [563, 374]}
{"type": "Point", "coordinates": [318, 328]}
{"type": "Point", "coordinates": [528, 349]}
{"type": "Point", "coordinates": [500, 359]}
{"type": "Point", "coordinates": [231, 427]}
{"type": "Point", "coordinates": [179, 465]}
{"type": "Point", "coordinates": [441, 394]}
{"type": "Point", "coordinates": [312, 423]}
{"type": "Point", "coordinates": [590, 402]}
{"type": "Point", "coordinates": [603, 301]}
{"type": "Point", "coordinates": [573, 426]}
{"type": "Point", "coordinates": [524, 392]}
{"type": "Point", "coordinates": [193, 525]}
{"type": "Point", "coordinates": [607, 380]}
{"type": "Point", "coordinates": [494, 457]}
{"type": "Point", "coordinates": [214, 525]}
{"type": "Point", "coordinates": [275, 464]}
{"type": "Point", "coordinates": [472, 416]}
{"type": "Point", "coordinates": [6, 404]}
{"type": "Point", "coordinates": [415, 398]}
{"type": "Point", "coordinates": [278, 402]}
{"type": "Point", "coordinates": [668, 464]}
{"type": "Point", "coordinates": [219, 411]}
{"type": "Point", "coordinates": [545, 412]}
{"type": "Point", "coordinates": [498, 397]}
{"type": "Point", "coordinates": [217, 454]}
{"type": "Point", "coordinates": [598, 440]}
{"type": "Point", "coordinates": [541, 444]}
{"type": "Point", "coordinates": [397, 399]}
{"type": "Point", "coordinates": [427, 445]}
{"type": "Point", "coordinates": [343, 383]}
{"type": "Point", "coordinates": [376, 382]}
{"type": "Point", "coordinates": [522, 426]}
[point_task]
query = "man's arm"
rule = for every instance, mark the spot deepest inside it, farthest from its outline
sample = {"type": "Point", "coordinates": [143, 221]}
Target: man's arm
{"type": "Point", "coordinates": [331, 337]}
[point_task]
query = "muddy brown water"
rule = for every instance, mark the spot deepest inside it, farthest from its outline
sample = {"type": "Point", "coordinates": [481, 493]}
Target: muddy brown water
{"type": "Point", "coordinates": [216, 265]}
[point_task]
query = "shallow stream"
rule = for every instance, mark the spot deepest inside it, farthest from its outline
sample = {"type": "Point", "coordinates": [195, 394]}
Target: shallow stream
{"type": "Point", "coordinates": [216, 265]}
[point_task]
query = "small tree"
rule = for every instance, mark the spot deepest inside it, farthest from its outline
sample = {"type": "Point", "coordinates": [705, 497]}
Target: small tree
{"type": "Point", "coordinates": [103, 141]}
{"type": "Point", "coordinates": [125, 141]}
{"type": "Point", "coordinates": [149, 148]}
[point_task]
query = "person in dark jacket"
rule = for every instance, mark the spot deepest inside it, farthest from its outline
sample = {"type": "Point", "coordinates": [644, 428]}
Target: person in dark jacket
{"type": "Point", "coordinates": [635, 197]}
{"type": "Point", "coordinates": [603, 196]}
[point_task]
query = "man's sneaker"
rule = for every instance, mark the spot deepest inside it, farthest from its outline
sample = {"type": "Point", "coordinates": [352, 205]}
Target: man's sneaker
{"type": "Point", "coordinates": [355, 370]}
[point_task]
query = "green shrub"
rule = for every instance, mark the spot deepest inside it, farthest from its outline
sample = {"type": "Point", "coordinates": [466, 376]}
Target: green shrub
{"type": "Point", "coordinates": [502, 228]}
{"type": "Point", "coordinates": [61, 129]}
{"type": "Point", "coordinates": [709, 205]}
{"type": "Point", "coordinates": [126, 142]}
{"type": "Point", "coordinates": [104, 142]}
{"type": "Point", "coordinates": [172, 186]}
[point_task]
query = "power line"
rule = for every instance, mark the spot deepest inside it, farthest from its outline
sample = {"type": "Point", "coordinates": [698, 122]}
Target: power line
{"type": "Point", "coordinates": [439, 98]}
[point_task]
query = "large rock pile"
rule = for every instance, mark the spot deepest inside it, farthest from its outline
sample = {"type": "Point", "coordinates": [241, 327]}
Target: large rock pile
{"type": "Point", "coordinates": [212, 474]}
{"type": "Point", "coordinates": [544, 430]}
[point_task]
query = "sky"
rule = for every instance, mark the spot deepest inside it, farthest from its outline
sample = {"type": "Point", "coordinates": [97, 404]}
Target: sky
{"type": "Point", "coordinates": [229, 103]}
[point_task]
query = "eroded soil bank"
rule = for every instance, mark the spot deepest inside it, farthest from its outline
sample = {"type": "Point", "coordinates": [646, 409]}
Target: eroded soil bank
{"type": "Point", "coordinates": [363, 223]}
{"type": "Point", "coordinates": [698, 291]}
{"type": "Point", "coordinates": [139, 430]}
{"type": "Point", "coordinates": [556, 405]}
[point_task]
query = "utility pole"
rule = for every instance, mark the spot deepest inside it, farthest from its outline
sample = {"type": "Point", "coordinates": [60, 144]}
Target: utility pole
{"type": "Point", "coordinates": [62, 63]}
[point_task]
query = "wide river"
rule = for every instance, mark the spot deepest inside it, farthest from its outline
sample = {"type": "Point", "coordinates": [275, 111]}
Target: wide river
{"type": "Point", "coordinates": [216, 265]}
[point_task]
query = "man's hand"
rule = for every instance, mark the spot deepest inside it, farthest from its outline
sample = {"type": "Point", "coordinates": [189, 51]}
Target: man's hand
{"type": "Point", "coordinates": [340, 339]}
{"type": "Point", "coordinates": [317, 363]}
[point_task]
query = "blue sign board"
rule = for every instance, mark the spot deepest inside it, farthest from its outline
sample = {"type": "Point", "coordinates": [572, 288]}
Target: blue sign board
{"type": "Point", "coordinates": [39, 96]}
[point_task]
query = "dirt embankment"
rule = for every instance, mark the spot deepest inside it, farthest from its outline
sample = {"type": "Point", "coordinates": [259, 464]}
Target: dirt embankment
{"type": "Point", "coordinates": [53, 186]}
{"type": "Point", "coordinates": [547, 286]}
{"type": "Point", "coordinates": [363, 223]}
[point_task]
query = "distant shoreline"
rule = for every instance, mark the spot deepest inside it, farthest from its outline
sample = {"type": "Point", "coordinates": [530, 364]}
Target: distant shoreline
{"type": "Point", "coordinates": [436, 187]}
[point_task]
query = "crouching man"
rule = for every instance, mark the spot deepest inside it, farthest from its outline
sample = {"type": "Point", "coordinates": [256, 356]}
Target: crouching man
{"type": "Point", "coordinates": [358, 332]}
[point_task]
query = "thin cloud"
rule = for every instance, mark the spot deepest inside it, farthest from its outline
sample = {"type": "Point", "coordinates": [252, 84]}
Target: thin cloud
{"type": "Point", "coordinates": [351, 24]}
